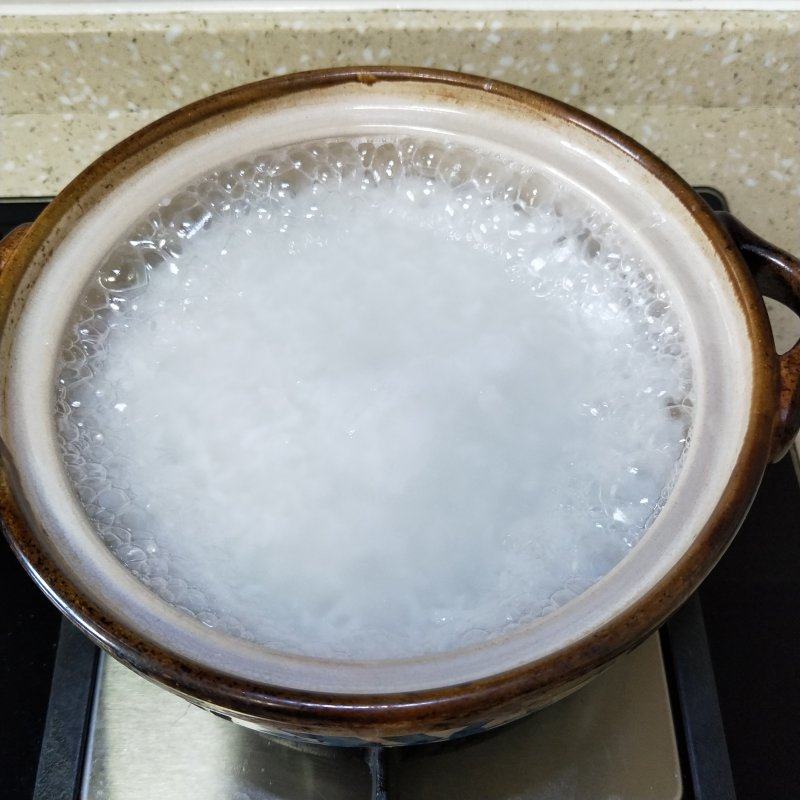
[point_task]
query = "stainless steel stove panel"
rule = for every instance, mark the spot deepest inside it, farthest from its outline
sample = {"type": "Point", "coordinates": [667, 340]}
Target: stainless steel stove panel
{"type": "Point", "coordinates": [613, 739]}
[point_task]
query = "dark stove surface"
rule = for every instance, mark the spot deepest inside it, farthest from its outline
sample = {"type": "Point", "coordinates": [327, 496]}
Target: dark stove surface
{"type": "Point", "coordinates": [750, 604]}
{"type": "Point", "coordinates": [29, 636]}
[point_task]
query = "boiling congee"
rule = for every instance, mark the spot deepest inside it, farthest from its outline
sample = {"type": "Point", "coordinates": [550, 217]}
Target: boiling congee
{"type": "Point", "coordinates": [374, 398]}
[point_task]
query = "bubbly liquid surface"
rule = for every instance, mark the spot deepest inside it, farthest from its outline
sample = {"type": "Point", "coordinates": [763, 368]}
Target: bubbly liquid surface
{"type": "Point", "coordinates": [373, 399]}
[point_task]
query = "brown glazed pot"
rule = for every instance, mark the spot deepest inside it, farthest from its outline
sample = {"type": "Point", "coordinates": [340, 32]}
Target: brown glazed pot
{"type": "Point", "coordinates": [748, 407]}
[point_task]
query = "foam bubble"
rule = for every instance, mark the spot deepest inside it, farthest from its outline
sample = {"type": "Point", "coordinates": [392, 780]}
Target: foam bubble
{"type": "Point", "coordinates": [373, 398]}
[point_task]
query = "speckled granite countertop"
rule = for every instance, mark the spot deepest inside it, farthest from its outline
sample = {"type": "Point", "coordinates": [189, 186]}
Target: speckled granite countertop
{"type": "Point", "coordinates": [716, 94]}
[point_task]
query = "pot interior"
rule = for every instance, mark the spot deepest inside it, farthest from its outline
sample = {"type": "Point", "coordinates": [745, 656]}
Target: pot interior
{"type": "Point", "coordinates": [700, 285]}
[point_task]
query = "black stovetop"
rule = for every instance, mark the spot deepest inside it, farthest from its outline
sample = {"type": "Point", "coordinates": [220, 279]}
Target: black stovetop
{"type": "Point", "coordinates": [750, 605]}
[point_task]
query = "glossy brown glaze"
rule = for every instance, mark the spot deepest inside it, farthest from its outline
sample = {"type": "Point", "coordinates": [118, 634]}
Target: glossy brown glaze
{"type": "Point", "coordinates": [399, 718]}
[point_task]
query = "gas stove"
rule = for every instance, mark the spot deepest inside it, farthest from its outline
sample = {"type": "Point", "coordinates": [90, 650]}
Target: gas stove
{"type": "Point", "coordinates": [653, 726]}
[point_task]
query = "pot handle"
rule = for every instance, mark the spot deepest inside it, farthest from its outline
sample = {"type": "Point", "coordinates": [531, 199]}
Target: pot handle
{"type": "Point", "coordinates": [8, 283]}
{"type": "Point", "coordinates": [777, 275]}
{"type": "Point", "coordinates": [8, 244]}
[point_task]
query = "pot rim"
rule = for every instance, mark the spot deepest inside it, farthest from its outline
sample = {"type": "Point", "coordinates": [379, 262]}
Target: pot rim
{"type": "Point", "coordinates": [307, 710]}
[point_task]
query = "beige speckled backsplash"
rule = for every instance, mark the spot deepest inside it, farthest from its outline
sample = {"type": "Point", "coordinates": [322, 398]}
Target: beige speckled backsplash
{"type": "Point", "coordinates": [716, 94]}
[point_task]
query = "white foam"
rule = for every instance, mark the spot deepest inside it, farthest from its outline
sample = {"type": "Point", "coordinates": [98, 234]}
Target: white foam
{"type": "Point", "coordinates": [373, 399]}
